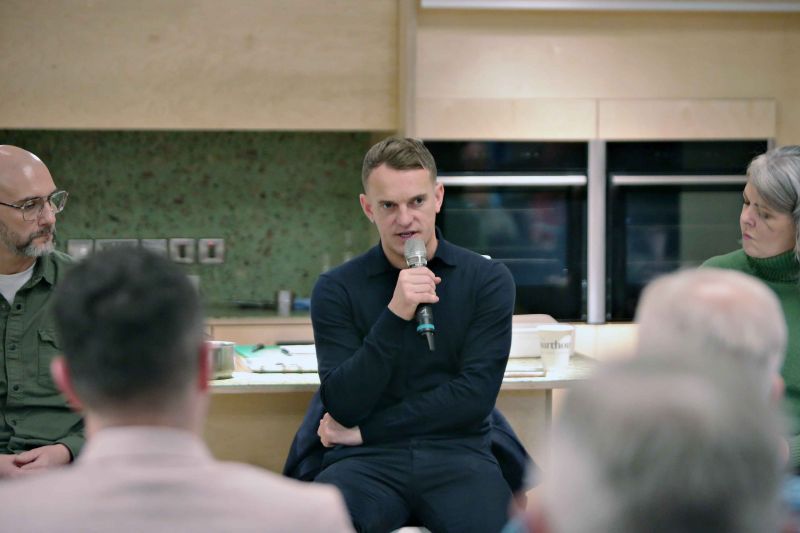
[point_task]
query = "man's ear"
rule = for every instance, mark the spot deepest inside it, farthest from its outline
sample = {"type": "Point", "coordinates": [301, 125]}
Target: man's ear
{"type": "Point", "coordinates": [777, 389]}
{"type": "Point", "coordinates": [438, 195]}
{"type": "Point", "coordinates": [203, 367]}
{"type": "Point", "coordinates": [61, 377]}
{"type": "Point", "coordinates": [362, 198]}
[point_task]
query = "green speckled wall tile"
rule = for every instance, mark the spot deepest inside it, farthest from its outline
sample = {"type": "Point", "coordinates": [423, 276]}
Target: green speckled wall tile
{"type": "Point", "coordinates": [281, 201]}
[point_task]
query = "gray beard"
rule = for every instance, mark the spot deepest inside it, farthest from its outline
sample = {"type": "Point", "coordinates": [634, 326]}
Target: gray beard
{"type": "Point", "coordinates": [28, 248]}
{"type": "Point", "coordinates": [32, 250]}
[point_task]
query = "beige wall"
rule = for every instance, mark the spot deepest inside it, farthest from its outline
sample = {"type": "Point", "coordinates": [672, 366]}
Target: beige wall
{"type": "Point", "coordinates": [611, 75]}
{"type": "Point", "coordinates": [198, 64]}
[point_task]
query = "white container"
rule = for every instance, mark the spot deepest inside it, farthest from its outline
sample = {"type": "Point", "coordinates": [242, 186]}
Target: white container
{"type": "Point", "coordinates": [223, 359]}
{"type": "Point", "coordinates": [556, 344]}
{"type": "Point", "coordinates": [524, 341]}
{"type": "Point", "coordinates": [285, 302]}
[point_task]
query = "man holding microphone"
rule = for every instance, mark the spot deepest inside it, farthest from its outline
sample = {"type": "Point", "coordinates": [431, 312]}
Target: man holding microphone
{"type": "Point", "coordinates": [408, 420]}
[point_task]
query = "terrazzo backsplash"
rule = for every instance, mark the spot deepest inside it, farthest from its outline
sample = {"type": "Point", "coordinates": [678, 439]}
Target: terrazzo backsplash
{"type": "Point", "coordinates": [285, 203]}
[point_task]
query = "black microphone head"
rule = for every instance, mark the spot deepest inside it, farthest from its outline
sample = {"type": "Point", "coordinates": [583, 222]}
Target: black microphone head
{"type": "Point", "coordinates": [415, 253]}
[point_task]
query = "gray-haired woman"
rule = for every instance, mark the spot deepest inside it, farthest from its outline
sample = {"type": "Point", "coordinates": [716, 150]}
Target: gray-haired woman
{"type": "Point", "coordinates": [770, 224]}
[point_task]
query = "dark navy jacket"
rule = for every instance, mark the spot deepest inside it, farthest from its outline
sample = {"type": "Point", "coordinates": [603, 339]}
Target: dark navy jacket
{"type": "Point", "coordinates": [377, 373]}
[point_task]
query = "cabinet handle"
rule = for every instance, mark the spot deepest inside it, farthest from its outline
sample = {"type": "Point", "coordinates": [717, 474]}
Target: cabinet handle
{"type": "Point", "coordinates": [500, 180]}
{"type": "Point", "coordinates": [644, 180]}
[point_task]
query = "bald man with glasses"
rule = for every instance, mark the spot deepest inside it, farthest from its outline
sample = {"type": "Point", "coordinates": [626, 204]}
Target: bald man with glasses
{"type": "Point", "coordinates": [37, 428]}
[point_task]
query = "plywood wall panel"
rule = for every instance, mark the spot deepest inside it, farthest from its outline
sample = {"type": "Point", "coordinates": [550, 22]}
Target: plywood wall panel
{"type": "Point", "coordinates": [686, 119]}
{"type": "Point", "coordinates": [474, 118]}
{"type": "Point", "coordinates": [479, 54]}
{"type": "Point", "coordinates": [470, 60]}
{"type": "Point", "coordinates": [199, 64]}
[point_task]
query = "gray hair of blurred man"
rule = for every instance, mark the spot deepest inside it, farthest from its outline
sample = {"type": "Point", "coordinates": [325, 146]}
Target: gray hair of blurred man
{"type": "Point", "coordinates": [659, 446]}
{"type": "Point", "coordinates": [714, 313]}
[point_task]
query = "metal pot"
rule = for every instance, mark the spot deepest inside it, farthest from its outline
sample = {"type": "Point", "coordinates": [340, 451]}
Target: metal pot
{"type": "Point", "coordinates": [222, 357]}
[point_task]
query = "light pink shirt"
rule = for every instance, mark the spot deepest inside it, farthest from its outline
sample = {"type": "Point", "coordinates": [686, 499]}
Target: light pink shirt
{"type": "Point", "coordinates": [147, 479]}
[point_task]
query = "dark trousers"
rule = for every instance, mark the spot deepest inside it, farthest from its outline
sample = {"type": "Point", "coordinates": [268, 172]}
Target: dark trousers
{"type": "Point", "coordinates": [444, 485]}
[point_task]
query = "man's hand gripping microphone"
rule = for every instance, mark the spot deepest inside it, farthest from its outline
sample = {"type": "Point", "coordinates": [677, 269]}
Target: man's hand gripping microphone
{"type": "Point", "coordinates": [417, 256]}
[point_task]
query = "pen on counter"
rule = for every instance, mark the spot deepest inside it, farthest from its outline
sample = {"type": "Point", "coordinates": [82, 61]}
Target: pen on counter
{"type": "Point", "coordinates": [259, 346]}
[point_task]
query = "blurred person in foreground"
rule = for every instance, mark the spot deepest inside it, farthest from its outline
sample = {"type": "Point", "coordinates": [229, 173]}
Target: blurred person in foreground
{"type": "Point", "coordinates": [653, 445]}
{"type": "Point", "coordinates": [770, 226]}
{"type": "Point", "coordinates": [37, 428]}
{"type": "Point", "coordinates": [718, 315]}
{"type": "Point", "coordinates": [131, 326]}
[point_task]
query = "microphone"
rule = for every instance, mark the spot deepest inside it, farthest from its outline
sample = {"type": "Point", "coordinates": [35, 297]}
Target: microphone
{"type": "Point", "coordinates": [417, 256]}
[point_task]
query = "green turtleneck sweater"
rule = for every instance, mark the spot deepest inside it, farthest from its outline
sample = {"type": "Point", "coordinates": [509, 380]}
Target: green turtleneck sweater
{"type": "Point", "coordinates": [782, 274]}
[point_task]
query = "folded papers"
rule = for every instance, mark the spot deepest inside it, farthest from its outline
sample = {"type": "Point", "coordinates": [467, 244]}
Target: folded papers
{"type": "Point", "coordinates": [525, 368]}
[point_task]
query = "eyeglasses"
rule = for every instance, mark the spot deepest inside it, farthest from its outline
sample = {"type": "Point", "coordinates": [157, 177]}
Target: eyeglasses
{"type": "Point", "coordinates": [32, 207]}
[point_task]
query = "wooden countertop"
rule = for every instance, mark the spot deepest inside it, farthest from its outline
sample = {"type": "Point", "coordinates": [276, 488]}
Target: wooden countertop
{"type": "Point", "coordinates": [248, 382]}
{"type": "Point", "coordinates": [227, 314]}
{"type": "Point", "coordinates": [579, 368]}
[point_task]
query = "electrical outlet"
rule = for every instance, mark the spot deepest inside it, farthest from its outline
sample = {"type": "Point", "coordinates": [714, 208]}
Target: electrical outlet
{"type": "Point", "coordinates": [80, 248]}
{"type": "Point", "coordinates": [211, 251]}
{"type": "Point", "coordinates": [104, 244]}
{"type": "Point", "coordinates": [181, 250]}
{"type": "Point", "coordinates": [158, 246]}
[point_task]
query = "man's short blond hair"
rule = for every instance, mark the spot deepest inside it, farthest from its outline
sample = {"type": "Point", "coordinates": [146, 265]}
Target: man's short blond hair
{"type": "Point", "coordinates": [399, 153]}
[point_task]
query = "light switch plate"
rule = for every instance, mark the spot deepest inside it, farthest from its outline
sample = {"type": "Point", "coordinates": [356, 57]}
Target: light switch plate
{"type": "Point", "coordinates": [211, 251]}
{"type": "Point", "coordinates": [158, 246]}
{"type": "Point", "coordinates": [104, 244]}
{"type": "Point", "coordinates": [80, 248]}
{"type": "Point", "coordinates": [181, 250]}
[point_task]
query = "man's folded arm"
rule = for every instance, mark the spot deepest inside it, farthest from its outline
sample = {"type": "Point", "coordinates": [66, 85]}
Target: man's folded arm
{"type": "Point", "coordinates": [354, 372]}
{"type": "Point", "coordinates": [467, 399]}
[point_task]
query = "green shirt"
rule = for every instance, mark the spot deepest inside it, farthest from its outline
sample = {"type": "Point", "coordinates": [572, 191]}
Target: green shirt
{"type": "Point", "coordinates": [782, 274]}
{"type": "Point", "coordinates": [32, 411]}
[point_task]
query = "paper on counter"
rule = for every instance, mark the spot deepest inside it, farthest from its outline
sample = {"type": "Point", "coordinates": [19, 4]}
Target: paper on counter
{"type": "Point", "coordinates": [299, 349]}
{"type": "Point", "coordinates": [303, 358]}
{"type": "Point", "coordinates": [279, 359]}
{"type": "Point", "coordinates": [521, 368]}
